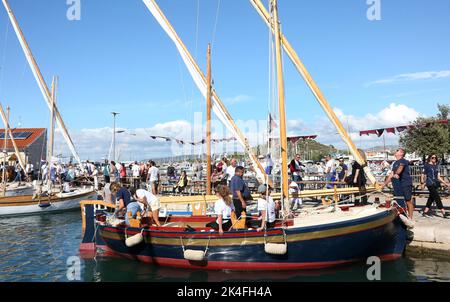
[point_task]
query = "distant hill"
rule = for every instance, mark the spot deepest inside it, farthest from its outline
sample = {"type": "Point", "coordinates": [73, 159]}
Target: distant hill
{"type": "Point", "coordinates": [308, 150]}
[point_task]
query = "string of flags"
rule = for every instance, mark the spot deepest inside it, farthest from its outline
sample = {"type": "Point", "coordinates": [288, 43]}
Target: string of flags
{"type": "Point", "coordinates": [294, 139]}
{"type": "Point", "coordinates": [398, 129]}
{"type": "Point", "coordinates": [182, 142]}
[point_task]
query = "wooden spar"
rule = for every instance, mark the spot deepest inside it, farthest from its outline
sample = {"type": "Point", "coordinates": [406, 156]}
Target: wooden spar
{"type": "Point", "coordinates": [315, 90]}
{"type": "Point", "coordinates": [152, 3]}
{"type": "Point", "coordinates": [5, 154]}
{"type": "Point", "coordinates": [13, 141]}
{"type": "Point", "coordinates": [208, 123]}
{"type": "Point", "coordinates": [281, 107]}
{"type": "Point", "coordinates": [52, 130]}
{"type": "Point", "coordinates": [39, 78]}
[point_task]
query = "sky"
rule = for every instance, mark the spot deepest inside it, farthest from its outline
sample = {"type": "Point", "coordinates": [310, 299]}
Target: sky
{"type": "Point", "coordinates": [116, 57]}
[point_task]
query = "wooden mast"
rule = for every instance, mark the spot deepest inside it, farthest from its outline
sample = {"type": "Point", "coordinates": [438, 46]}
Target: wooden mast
{"type": "Point", "coordinates": [281, 109]}
{"type": "Point", "coordinates": [208, 122]}
{"type": "Point", "coordinates": [39, 78]}
{"type": "Point", "coordinates": [152, 4]}
{"type": "Point", "coordinates": [315, 90]}
{"type": "Point", "coordinates": [13, 141]}
{"type": "Point", "coordinates": [52, 130]}
{"type": "Point", "coordinates": [5, 154]}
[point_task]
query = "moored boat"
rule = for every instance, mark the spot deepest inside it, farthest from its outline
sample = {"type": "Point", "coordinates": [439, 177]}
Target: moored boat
{"type": "Point", "coordinates": [309, 242]}
{"type": "Point", "coordinates": [57, 202]}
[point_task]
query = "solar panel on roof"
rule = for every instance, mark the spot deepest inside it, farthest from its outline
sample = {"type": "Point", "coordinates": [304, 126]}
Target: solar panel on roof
{"type": "Point", "coordinates": [17, 135]}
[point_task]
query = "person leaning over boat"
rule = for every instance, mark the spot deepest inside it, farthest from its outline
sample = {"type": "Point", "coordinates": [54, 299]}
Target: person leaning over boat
{"type": "Point", "coordinates": [266, 208]}
{"type": "Point", "coordinates": [123, 196]}
{"type": "Point", "coordinates": [432, 179]}
{"type": "Point", "coordinates": [240, 191]}
{"type": "Point", "coordinates": [401, 181]}
{"type": "Point", "coordinates": [222, 208]}
{"type": "Point", "coordinates": [149, 201]}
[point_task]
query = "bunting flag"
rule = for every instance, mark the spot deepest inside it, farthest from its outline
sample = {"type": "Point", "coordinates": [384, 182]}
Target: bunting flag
{"type": "Point", "coordinates": [399, 129]}
{"type": "Point", "coordinates": [380, 132]}
{"type": "Point", "coordinates": [203, 141]}
{"type": "Point", "coordinates": [390, 130]}
{"type": "Point", "coordinates": [293, 139]}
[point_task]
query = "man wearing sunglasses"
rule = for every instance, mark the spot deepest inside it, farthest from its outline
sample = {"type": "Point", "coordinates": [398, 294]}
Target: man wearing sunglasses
{"type": "Point", "coordinates": [401, 181]}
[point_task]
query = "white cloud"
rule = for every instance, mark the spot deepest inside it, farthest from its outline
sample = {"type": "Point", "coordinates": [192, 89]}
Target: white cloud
{"type": "Point", "coordinates": [412, 77]}
{"type": "Point", "coordinates": [238, 99]}
{"type": "Point", "coordinates": [391, 116]}
{"type": "Point", "coordinates": [136, 143]}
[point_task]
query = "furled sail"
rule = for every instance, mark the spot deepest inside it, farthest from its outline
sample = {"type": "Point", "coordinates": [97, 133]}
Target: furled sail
{"type": "Point", "coordinates": [40, 80]}
{"type": "Point", "coordinates": [200, 80]}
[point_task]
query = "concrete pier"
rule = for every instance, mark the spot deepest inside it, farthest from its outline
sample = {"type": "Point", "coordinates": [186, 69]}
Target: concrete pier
{"type": "Point", "coordinates": [431, 234]}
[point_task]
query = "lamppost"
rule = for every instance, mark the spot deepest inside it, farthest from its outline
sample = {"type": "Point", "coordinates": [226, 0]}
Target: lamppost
{"type": "Point", "coordinates": [114, 134]}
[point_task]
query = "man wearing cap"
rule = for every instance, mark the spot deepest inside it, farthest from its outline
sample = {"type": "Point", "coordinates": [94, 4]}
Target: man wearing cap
{"type": "Point", "coordinates": [266, 206]}
{"type": "Point", "coordinates": [401, 181]}
{"type": "Point", "coordinates": [240, 191]}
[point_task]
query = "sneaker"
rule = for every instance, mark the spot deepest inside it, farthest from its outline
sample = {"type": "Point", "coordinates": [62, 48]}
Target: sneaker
{"type": "Point", "coordinates": [427, 214]}
{"type": "Point", "coordinates": [446, 215]}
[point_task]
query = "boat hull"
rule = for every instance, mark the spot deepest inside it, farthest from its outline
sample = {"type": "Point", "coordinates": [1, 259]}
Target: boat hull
{"type": "Point", "coordinates": [328, 245]}
{"type": "Point", "coordinates": [25, 205]}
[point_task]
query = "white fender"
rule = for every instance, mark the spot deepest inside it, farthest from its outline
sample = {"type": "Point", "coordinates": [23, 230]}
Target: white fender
{"type": "Point", "coordinates": [194, 255]}
{"type": "Point", "coordinates": [275, 248]}
{"type": "Point", "coordinates": [407, 222]}
{"type": "Point", "coordinates": [134, 240]}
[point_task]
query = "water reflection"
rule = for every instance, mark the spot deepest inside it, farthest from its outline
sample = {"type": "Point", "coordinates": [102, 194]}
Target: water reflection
{"type": "Point", "coordinates": [403, 270]}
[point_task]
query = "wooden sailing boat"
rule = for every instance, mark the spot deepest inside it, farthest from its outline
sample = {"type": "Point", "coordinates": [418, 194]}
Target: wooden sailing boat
{"type": "Point", "coordinates": [49, 201]}
{"type": "Point", "coordinates": [311, 241]}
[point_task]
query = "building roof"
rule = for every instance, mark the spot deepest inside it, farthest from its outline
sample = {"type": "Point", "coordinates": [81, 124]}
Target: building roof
{"type": "Point", "coordinates": [23, 137]}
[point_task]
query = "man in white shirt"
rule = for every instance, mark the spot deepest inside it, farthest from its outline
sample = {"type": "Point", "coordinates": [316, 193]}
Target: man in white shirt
{"type": "Point", "coordinates": [153, 177]}
{"type": "Point", "coordinates": [149, 201]}
{"type": "Point", "coordinates": [230, 171]}
{"type": "Point", "coordinates": [136, 170]}
{"type": "Point", "coordinates": [329, 170]}
{"type": "Point", "coordinates": [29, 169]}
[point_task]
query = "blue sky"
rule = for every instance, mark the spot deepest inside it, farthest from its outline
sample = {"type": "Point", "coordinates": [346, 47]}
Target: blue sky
{"type": "Point", "coordinates": [118, 58]}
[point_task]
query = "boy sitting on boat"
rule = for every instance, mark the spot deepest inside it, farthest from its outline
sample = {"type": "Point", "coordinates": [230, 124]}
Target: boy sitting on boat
{"type": "Point", "coordinates": [266, 208]}
{"type": "Point", "coordinates": [222, 208]}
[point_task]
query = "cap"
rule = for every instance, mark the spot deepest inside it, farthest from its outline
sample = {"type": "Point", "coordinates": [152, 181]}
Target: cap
{"type": "Point", "coordinates": [262, 188]}
{"type": "Point", "coordinates": [293, 184]}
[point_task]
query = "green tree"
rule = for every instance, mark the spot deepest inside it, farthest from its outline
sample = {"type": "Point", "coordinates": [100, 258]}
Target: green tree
{"type": "Point", "coordinates": [435, 138]}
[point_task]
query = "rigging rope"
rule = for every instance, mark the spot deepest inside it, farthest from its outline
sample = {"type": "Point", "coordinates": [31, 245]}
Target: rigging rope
{"type": "Point", "coordinates": [215, 23]}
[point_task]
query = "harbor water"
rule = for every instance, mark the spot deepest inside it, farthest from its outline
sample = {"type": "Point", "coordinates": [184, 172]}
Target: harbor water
{"type": "Point", "coordinates": [43, 248]}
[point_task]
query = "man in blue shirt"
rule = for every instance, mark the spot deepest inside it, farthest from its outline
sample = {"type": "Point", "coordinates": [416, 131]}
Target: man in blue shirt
{"type": "Point", "coordinates": [401, 181]}
{"type": "Point", "coordinates": [123, 197]}
{"type": "Point", "coordinates": [240, 191]}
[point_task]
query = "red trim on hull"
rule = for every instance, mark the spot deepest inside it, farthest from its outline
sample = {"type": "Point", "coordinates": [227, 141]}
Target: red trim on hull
{"type": "Point", "coordinates": [243, 266]}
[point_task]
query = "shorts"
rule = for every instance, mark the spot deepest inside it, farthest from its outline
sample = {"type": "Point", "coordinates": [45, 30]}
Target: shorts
{"type": "Point", "coordinates": [403, 191]}
{"type": "Point", "coordinates": [155, 204]}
